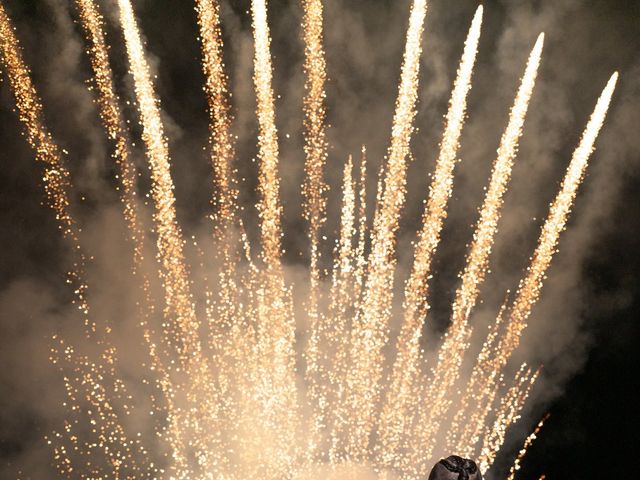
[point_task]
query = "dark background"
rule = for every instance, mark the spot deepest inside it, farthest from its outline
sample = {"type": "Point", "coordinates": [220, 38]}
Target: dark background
{"type": "Point", "coordinates": [592, 372]}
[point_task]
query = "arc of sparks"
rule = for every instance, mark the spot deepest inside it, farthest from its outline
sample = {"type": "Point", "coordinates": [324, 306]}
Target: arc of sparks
{"type": "Point", "coordinates": [361, 265]}
{"type": "Point", "coordinates": [56, 177]}
{"type": "Point", "coordinates": [314, 191]}
{"type": "Point", "coordinates": [113, 122]}
{"type": "Point", "coordinates": [468, 423]}
{"type": "Point", "coordinates": [531, 285]}
{"type": "Point", "coordinates": [348, 274]}
{"type": "Point", "coordinates": [393, 421]}
{"type": "Point", "coordinates": [276, 329]}
{"type": "Point", "coordinates": [199, 415]}
{"type": "Point", "coordinates": [108, 103]}
{"type": "Point", "coordinates": [314, 187]}
{"type": "Point", "coordinates": [507, 413]}
{"type": "Point", "coordinates": [445, 372]}
{"type": "Point", "coordinates": [92, 381]}
{"type": "Point", "coordinates": [343, 268]}
{"type": "Point", "coordinates": [371, 323]}
{"type": "Point", "coordinates": [170, 242]}
{"type": "Point", "coordinates": [523, 451]}
{"type": "Point", "coordinates": [227, 340]}
{"type": "Point", "coordinates": [269, 206]}
{"type": "Point", "coordinates": [222, 149]}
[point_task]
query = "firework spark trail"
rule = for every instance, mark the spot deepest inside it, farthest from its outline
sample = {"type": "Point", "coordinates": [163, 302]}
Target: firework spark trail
{"type": "Point", "coordinates": [343, 268]}
{"type": "Point", "coordinates": [371, 323]}
{"type": "Point", "coordinates": [530, 287]}
{"type": "Point", "coordinates": [339, 365]}
{"type": "Point", "coordinates": [276, 329]}
{"type": "Point", "coordinates": [507, 413]}
{"type": "Point", "coordinates": [181, 324]}
{"type": "Point", "coordinates": [335, 351]}
{"type": "Point", "coordinates": [456, 342]}
{"type": "Point", "coordinates": [523, 451]}
{"type": "Point", "coordinates": [406, 366]}
{"type": "Point", "coordinates": [222, 149]}
{"type": "Point", "coordinates": [490, 362]}
{"type": "Point", "coordinates": [269, 206]}
{"type": "Point", "coordinates": [361, 259]}
{"type": "Point", "coordinates": [179, 306]}
{"type": "Point", "coordinates": [96, 388]}
{"type": "Point", "coordinates": [222, 312]}
{"type": "Point", "coordinates": [479, 394]}
{"type": "Point", "coordinates": [108, 103]}
{"type": "Point", "coordinates": [56, 177]}
{"type": "Point", "coordinates": [221, 139]}
{"type": "Point", "coordinates": [113, 121]}
{"type": "Point", "coordinates": [342, 278]}
{"type": "Point", "coordinates": [314, 190]}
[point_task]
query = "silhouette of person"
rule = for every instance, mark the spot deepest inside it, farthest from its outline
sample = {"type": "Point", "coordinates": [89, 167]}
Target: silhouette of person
{"type": "Point", "coordinates": [455, 468]}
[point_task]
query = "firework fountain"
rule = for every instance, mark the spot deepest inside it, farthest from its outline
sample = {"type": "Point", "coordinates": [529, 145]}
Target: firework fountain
{"type": "Point", "coordinates": [234, 392]}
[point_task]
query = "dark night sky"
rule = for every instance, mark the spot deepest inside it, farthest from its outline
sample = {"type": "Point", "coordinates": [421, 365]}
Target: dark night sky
{"type": "Point", "coordinates": [592, 359]}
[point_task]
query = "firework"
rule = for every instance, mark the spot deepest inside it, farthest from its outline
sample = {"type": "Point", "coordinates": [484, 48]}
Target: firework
{"type": "Point", "coordinates": [370, 330]}
{"type": "Point", "coordinates": [113, 121]}
{"type": "Point", "coordinates": [198, 414]}
{"type": "Point", "coordinates": [529, 288]}
{"type": "Point", "coordinates": [277, 391]}
{"type": "Point", "coordinates": [314, 190]}
{"type": "Point", "coordinates": [456, 341]}
{"type": "Point", "coordinates": [229, 400]}
{"type": "Point", "coordinates": [220, 119]}
{"type": "Point", "coordinates": [56, 176]}
{"type": "Point", "coordinates": [507, 413]}
{"type": "Point", "coordinates": [91, 384]}
{"type": "Point", "coordinates": [527, 443]}
{"type": "Point", "coordinates": [406, 368]}
{"type": "Point", "coordinates": [496, 351]}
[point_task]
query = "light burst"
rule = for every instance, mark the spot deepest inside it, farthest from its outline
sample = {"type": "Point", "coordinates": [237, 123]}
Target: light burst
{"type": "Point", "coordinates": [237, 394]}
